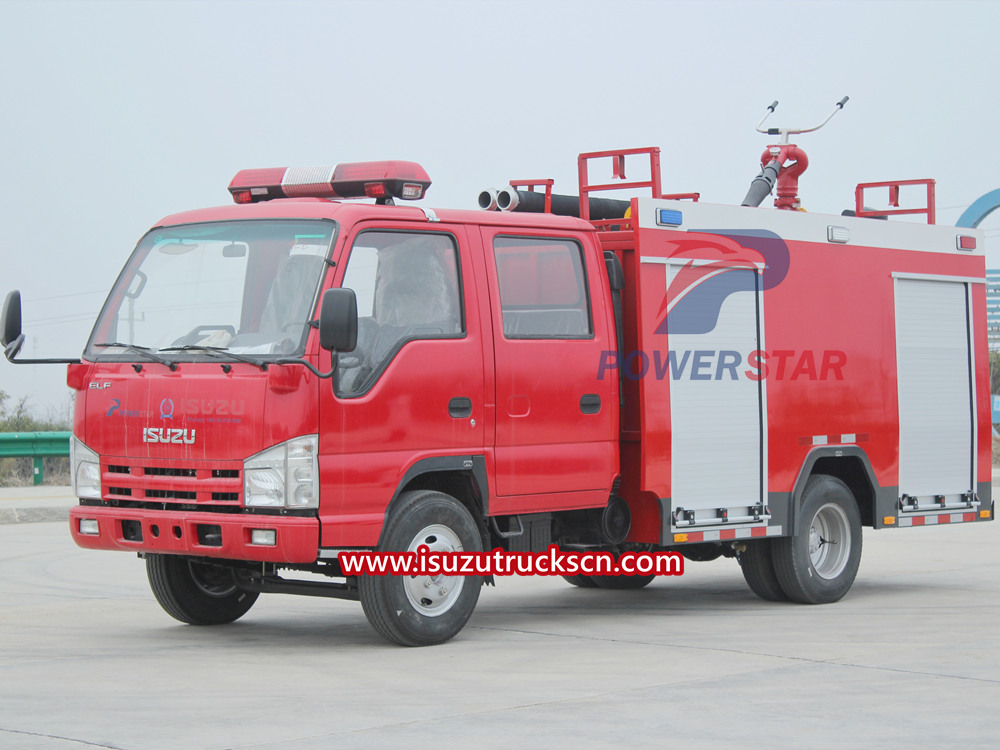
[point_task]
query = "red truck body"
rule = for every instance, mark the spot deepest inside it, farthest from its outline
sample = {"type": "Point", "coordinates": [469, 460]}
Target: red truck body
{"type": "Point", "coordinates": [748, 356]}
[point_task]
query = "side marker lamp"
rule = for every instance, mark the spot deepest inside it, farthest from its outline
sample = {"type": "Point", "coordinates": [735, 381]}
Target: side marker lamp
{"type": "Point", "coordinates": [667, 218]}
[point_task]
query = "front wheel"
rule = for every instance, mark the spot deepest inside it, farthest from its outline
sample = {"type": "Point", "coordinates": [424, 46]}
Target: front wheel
{"type": "Point", "coordinates": [818, 565]}
{"type": "Point", "coordinates": [423, 610]}
{"type": "Point", "coordinates": [197, 593]}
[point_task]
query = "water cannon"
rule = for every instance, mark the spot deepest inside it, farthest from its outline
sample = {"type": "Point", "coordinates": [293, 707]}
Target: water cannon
{"type": "Point", "coordinates": [782, 163]}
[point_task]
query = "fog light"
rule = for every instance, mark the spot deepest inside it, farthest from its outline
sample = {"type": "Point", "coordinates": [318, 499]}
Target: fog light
{"type": "Point", "coordinates": [89, 526]}
{"type": "Point", "coordinates": [264, 537]}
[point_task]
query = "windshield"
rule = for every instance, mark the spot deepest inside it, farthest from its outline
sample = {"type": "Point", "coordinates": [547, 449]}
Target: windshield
{"type": "Point", "coordinates": [242, 287]}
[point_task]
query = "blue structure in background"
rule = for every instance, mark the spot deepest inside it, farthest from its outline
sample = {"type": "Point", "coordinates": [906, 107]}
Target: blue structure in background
{"type": "Point", "coordinates": [993, 308]}
{"type": "Point", "coordinates": [973, 216]}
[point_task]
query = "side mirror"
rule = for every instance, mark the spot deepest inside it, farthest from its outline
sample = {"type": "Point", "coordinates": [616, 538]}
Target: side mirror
{"type": "Point", "coordinates": [10, 324]}
{"type": "Point", "coordinates": [12, 338]}
{"type": "Point", "coordinates": [338, 320]}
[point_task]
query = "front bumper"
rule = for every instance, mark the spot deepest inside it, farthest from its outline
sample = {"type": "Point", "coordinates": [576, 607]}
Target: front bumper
{"type": "Point", "coordinates": [203, 534]}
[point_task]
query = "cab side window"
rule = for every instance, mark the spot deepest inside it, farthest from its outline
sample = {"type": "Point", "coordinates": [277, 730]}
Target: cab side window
{"type": "Point", "coordinates": [543, 293]}
{"type": "Point", "coordinates": [407, 285]}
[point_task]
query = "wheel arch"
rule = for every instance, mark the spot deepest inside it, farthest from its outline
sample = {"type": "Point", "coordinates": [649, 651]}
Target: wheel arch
{"type": "Point", "coordinates": [848, 463]}
{"type": "Point", "coordinates": [462, 477]}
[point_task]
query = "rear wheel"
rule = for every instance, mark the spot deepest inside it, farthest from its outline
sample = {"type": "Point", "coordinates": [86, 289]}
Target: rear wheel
{"type": "Point", "coordinates": [423, 610]}
{"type": "Point", "coordinates": [757, 565]}
{"type": "Point", "coordinates": [582, 581]}
{"type": "Point", "coordinates": [818, 565]}
{"type": "Point", "coordinates": [195, 592]}
{"type": "Point", "coordinates": [623, 583]}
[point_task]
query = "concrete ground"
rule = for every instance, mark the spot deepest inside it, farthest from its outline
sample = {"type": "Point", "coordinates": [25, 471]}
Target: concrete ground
{"type": "Point", "coordinates": [910, 658]}
{"type": "Point", "coordinates": [35, 504]}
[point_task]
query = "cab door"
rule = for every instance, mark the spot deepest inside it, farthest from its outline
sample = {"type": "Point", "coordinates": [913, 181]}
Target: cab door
{"type": "Point", "coordinates": [411, 396]}
{"type": "Point", "coordinates": [556, 423]}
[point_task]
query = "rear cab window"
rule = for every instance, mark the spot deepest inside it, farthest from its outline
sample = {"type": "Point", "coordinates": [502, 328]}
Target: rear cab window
{"type": "Point", "coordinates": [543, 289]}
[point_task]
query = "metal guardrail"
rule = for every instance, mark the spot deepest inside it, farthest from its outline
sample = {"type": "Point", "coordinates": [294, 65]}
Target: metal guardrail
{"type": "Point", "coordinates": [36, 445]}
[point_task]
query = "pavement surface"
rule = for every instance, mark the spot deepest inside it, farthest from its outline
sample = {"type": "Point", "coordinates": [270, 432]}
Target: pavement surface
{"type": "Point", "coordinates": [909, 658]}
{"type": "Point", "coordinates": [35, 504]}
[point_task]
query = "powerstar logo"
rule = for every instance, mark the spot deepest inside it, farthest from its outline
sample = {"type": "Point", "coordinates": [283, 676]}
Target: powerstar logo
{"type": "Point", "coordinates": [710, 268]}
{"type": "Point", "coordinates": [699, 288]}
{"type": "Point", "coordinates": [168, 435]}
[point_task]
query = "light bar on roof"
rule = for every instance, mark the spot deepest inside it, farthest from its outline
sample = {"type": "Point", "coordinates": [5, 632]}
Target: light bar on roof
{"type": "Point", "coordinates": [406, 180]}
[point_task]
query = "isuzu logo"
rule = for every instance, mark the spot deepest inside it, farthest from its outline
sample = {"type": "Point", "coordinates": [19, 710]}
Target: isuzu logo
{"type": "Point", "coordinates": [168, 435]}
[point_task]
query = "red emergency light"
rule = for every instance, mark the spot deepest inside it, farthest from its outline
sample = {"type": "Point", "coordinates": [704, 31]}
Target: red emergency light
{"type": "Point", "coordinates": [370, 179]}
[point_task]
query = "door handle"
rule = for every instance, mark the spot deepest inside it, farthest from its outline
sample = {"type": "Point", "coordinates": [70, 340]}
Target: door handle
{"type": "Point", "coordinates": [590, 403]}
{"type": "Point", "coordinates": [460, 407]}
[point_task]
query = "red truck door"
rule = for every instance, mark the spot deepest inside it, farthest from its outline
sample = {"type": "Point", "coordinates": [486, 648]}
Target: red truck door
{"type": "Point", "coordinates": [556, 422]}
{"type": "Point", "coordinates": [413, 389]}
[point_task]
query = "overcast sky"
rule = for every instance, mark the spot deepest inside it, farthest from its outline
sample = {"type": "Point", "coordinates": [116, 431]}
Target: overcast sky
{"type": "Point", "coordinates": [116, 114]}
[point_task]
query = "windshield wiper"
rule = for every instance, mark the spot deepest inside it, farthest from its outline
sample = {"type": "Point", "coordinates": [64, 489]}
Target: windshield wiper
{"type": "Point", "coordinates": [144, 350]}
{"type": "Point", "coordinates": [220, 351]}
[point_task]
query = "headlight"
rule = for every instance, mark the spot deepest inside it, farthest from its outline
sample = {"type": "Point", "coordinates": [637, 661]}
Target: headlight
{"type": "Point", "coordinates": [285, 476]}
{"type": "Point", "coordinates": [85, 467]}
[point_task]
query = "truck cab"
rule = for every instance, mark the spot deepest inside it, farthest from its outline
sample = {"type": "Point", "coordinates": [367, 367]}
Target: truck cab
{"type": "Point", "coordinates": [214, 433]}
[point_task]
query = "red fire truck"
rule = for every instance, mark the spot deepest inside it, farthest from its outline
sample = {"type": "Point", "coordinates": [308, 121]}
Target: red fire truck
{"type": "Point", "coordinates": [274, 382]}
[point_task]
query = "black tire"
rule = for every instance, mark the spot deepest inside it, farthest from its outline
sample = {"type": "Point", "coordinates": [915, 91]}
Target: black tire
{"type": "Point", "coordinates": [757, 565]}
{"type": "Point", "coordinates": [423, 611]}
{"type": "Point", "coordinates": [582, 581]}
{"type": "Point", "coordinates": [623, 583]}
{"type": "Point", "coordinates": [818, 565]}
{"type": "Point", "coordinates": [196, 593]}
{"type": "Point", "coordinates": [701, 552]}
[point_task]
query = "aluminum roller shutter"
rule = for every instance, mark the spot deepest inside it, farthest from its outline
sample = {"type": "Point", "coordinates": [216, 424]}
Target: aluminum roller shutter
{"type": "Point", "coordinates": [934, 379]}
{"type": "Point", "coordinates": [716, 422]}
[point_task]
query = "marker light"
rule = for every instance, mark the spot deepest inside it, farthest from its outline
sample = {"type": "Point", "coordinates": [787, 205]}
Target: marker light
{"type": "Point", "coordinates": [370, 179]}
{"type": "Point", "coordinates": [264, 537]}
{"type": "Point", "coordinates": [89, 526]}
{"type": "Point", "coordinates": [668, 218]}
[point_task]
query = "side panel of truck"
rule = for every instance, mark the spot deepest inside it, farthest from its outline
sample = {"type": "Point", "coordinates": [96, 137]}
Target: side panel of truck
{"type": "Point", "coordinates": [838, 361]}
